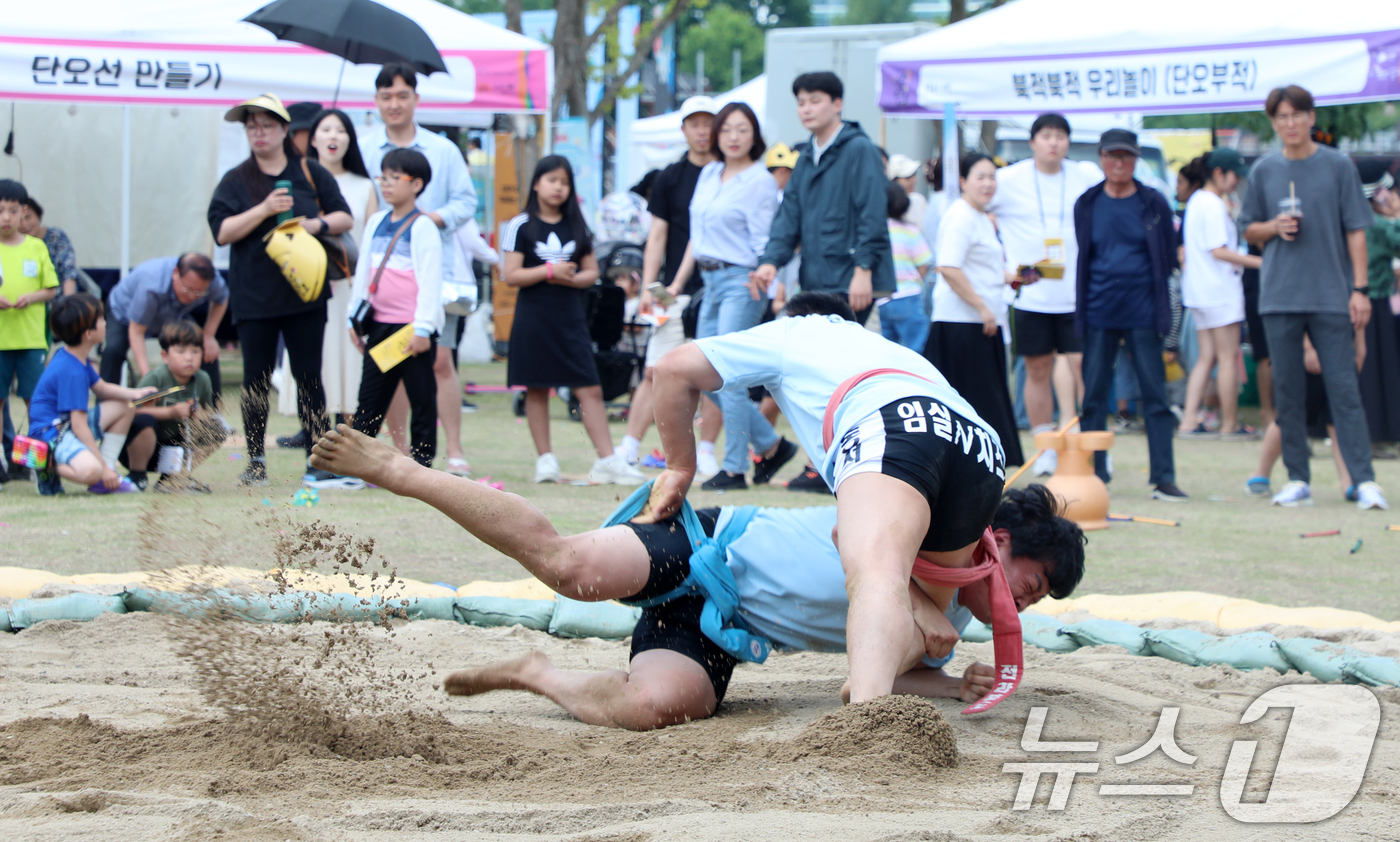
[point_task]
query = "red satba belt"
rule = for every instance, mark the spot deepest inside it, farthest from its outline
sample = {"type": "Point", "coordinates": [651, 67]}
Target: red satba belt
{"type": "Point", "coordinates": [1006, 623]}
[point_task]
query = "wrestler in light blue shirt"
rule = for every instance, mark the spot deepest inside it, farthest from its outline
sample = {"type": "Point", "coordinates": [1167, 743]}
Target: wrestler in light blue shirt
{"type": "Point", "coordinates": [449, 193]}
{"type": "Point", "coordinates": [730, 220]}
{"type": "Point", "coordinates": [803, 360]}
{"type": "Point", "coordinates": [792, 589]}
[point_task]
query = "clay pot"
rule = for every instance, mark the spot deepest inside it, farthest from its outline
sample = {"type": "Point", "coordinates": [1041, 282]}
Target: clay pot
{"type": "Point", "coordinates": [1085, 496]}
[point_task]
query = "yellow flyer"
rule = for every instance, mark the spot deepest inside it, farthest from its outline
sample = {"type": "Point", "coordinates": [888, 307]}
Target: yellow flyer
{"type": "Point", "coordinates": [393, 350]}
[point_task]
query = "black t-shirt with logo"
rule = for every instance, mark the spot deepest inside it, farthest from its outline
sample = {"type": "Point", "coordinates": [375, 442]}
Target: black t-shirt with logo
{"type": "Point", "coordinates": [670, 201]}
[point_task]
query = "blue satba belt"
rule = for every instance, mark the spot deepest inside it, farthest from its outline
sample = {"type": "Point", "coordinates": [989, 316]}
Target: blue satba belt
{"type": "Point", "coordinates": [709, 576]}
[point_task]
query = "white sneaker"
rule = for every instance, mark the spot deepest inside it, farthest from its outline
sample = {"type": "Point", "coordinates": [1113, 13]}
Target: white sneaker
{"type": "Point", "coordinates": [706, 465]}
{"type": "Point", "coordinates": [1297, 493]}
{"type": "Point", "coordinates": [1368, 496]}
{"type": "Point", "coordinates": [546, 468]}
{"type": "Point", "coordinates": [1046, 464]}
{"type": "Point", "coordinates": [614, 470]}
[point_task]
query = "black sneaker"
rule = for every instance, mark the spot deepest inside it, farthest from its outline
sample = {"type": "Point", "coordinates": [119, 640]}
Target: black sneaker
{"type": "Point", "coordinates": [254, 474]}
{"type": "Point", "coordinates": [810, 481]}
{"type": "Point", "coordinates": [724, 481]}
{"type": "Point", "coordinates": [1169, 492]}
{"type": "Point", "coordinates": [318, 478]}
{"type": "Point", "coordinates": [295, 442]}
{"type": "Point", "coordinates": [49, 485]}
{"type": "Point", "coordinates": [765, 468]}
{"type": "Point", "coordinates": [139, 479]}
{"type": "Point", "coordinates": [468, 407]}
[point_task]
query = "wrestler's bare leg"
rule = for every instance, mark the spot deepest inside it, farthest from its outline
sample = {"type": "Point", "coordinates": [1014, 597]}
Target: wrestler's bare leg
{"type": "Point", "coordinates": [592, 566]}
{"type": "Point", "coordinates": [881, 521]}
{"type": "Point", "coordinates": [662, 688]}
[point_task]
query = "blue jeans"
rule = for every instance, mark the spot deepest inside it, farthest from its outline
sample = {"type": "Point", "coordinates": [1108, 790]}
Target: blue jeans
{"type": "Point", "coordinates": [902, 320]}
{"type": "Point", "coordinates": [726, 308]}
{"type": "Point", "coordinates": [1144, 347]}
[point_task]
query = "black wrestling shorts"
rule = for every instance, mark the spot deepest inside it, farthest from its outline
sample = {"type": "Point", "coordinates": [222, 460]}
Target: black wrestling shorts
{"type": "Point", "coordinates": [675, 625]}
{"type": "Point", "coordinates": [957, 465]}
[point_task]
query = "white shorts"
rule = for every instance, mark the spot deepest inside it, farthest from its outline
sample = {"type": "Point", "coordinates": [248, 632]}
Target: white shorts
{"type": "Point", "coordinates": [1219, 316]}
{"type": "Point", "coordinates": [670, 335]}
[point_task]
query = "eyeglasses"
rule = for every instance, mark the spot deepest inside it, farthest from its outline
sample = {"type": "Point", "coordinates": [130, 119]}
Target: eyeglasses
{"type": "Point", "coordinates": [386, 180]}
{"type": "Point", "coordinates": [194, 294]}
{"type": "Point", "coordinates": [260, 128]}
{"type": "Point", "coordinates": [1291, 117]}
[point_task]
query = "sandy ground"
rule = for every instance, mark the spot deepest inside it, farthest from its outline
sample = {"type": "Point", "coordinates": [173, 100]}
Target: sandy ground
{"type": "Point", "coordinates": [105, 734]}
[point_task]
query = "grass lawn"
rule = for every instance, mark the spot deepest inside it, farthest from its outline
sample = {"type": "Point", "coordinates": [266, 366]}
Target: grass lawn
{"type": "Point", "coordinates": [1233, 544]}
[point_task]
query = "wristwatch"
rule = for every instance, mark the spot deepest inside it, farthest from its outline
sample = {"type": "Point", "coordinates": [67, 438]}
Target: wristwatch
{"type": "Point", "coordinates": [1366, 290]}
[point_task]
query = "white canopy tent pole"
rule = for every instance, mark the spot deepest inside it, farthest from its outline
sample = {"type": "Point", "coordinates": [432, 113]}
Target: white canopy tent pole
{"type": "Point", "coordinates": [950, 152]}
{"type": "Point", "coordinates": [126, 192]}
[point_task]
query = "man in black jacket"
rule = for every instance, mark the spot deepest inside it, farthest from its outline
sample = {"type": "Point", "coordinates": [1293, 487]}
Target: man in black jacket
{"type": "Point", "coordinates": [834, 205]}
{"type": "Point", "coordinates": [1127, 251]}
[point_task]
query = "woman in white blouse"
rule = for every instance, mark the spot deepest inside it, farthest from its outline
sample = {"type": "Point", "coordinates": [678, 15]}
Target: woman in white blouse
{"type": "Point", "coordinates": [731, 212]}
{"type": "Point", "coordinates": [969, 304]}
{"type": "Point", "coordinates": [334, 145]}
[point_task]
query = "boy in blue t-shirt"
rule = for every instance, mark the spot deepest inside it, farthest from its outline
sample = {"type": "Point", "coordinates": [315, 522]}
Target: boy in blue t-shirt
{"type": "Point", "coordinates": [59, 411]}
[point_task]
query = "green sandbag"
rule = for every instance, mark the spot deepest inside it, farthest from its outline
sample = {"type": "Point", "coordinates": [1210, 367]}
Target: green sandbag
{"type": "Point", "coordinates": [1180, 645]}
{"type": "Point", "coordinates": [500, 611]}
{"type": "Point", "coordinates": [593, 619]}
{"type": "Point", "coordinates": [1248, 651]}
{"type": "Point", "coordinates": [976, 631]}
{"type": "Point", "coordinates": [1040, 630]}
{"type": "Point", "coordinates": [1375, 671]}
{"type": "Point", "coordinates": [74, 606]}
{"type": "Point", "coordinates": [344, 607]}
{"type": "Point", "coordinates": [274, 608]}
{"type": "Point", "coordinates": [1324, 660]}
{"type": "Point", "coordinates": [1098, 632]}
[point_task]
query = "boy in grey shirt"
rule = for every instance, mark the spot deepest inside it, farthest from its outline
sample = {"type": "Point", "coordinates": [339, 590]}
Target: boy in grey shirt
{"type": "Point", "coordinates": [1304, 207]}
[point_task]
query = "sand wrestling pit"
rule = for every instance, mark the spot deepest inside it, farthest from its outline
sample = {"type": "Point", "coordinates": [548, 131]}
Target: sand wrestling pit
{"type": "Point", "coordinates": [146, 726]}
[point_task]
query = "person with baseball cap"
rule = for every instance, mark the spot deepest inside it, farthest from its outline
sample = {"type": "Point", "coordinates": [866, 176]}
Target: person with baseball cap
{"type": "Point", "coordinates": [669, 206]}
{"type": "Point", "coordinates": [1127, 252]}
{"type": "Point", "coordinates": [243, 210]}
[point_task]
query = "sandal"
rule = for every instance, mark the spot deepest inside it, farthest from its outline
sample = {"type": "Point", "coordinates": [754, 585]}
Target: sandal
{"type": "Point", "coordinates": [458, 468]}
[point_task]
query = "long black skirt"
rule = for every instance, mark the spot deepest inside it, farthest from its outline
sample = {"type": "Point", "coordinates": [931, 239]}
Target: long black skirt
{"type": "Point", "coordinates": [1380, 375]}
{"type": "Point", "coordinates": [975, 365]}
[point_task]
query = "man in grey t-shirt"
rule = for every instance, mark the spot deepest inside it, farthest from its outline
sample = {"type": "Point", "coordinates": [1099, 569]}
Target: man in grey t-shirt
{"type": "Point", "coordinates": [1304, 207]}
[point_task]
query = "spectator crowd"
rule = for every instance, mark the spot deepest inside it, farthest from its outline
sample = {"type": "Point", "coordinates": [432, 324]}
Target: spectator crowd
{"type": "Point", "coordinates": [1049, 292]}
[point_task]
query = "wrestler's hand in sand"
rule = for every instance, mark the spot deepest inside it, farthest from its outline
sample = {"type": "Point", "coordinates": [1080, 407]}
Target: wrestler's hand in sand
{"type": "Point", "coordinates": [348, 453]}
{"type": "Point", "coordinates": [977, 681]}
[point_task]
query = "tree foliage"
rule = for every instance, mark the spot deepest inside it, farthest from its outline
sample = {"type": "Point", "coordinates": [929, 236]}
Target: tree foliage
{"type": "Point", "coordinates": [878, 11]}
{"type": "Point", "coordinates": [722, 29]}
{"type": "Point", "coordinates": [1341, 121]}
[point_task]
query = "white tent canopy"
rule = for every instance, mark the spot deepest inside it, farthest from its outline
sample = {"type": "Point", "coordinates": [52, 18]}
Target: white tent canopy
{"type": "Point", "coordinates": [657, 141]}
{"type": "Point", "coordinates": [1192, 56]}
{"type": "Point", "coordinates": [159, 52]}
{"type": "Point", "coordinates": [174, 67]}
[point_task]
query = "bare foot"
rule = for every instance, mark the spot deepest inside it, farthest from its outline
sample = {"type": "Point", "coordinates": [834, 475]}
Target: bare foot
{"type": "Point", "coordinates": [348, 453]}
{"type": "Point", "coordinates": [502, 675]}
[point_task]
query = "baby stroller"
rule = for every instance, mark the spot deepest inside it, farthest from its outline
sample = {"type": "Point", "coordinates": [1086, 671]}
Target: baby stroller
{"type": "Point", "coordinates": [620, 363]}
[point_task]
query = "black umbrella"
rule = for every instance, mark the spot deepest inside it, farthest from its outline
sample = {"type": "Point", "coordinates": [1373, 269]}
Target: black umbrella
{"type": "Point", "coordinates": [361, 31]}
